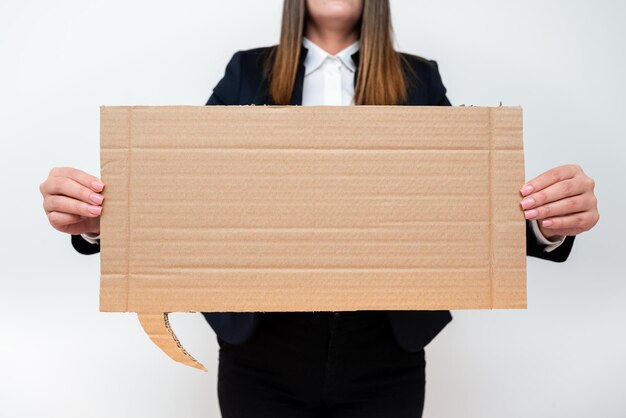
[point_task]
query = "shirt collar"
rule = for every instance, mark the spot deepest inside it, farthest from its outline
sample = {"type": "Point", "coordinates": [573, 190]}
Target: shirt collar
{"type": "Point", "coordinates": [315, 55]}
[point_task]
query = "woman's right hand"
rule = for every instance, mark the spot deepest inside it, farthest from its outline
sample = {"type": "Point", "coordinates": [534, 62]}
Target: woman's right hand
{"type": "Point", "coordinates": [72, 200]}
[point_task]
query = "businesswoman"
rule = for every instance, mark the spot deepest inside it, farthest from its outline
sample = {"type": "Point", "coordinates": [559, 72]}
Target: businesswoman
{"type": "Point", "coordinates": [348, 364]}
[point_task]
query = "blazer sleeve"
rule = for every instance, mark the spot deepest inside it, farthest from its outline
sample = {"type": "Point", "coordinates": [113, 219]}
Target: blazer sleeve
{"type": "Point", "coordinates": [559, 254]}
{"type": "Point", "coordinates": [81, 245]}
{"type": "Point", "coordinates": [227, 91]}
{"type": "Point", "coordinates": [436, 89]}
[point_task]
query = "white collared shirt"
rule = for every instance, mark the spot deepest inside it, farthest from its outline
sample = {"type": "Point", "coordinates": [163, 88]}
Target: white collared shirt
{"type": "Point", "coordinates": [329, 81]}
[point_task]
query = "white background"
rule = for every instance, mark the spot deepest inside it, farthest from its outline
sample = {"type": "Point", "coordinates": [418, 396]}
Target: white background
{"type": "Point", "coordinates": [563, 61]}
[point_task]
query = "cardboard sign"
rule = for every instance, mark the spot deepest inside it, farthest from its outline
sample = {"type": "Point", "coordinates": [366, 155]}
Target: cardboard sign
{"type": "Point", "coordinates": [259, 208]}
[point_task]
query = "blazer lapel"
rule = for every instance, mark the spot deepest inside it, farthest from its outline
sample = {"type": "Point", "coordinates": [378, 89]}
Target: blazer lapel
{"type": "Point", "coordinates": [355, 59]}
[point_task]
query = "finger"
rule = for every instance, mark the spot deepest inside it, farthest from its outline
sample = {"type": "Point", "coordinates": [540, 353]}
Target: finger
{"type": "Point", "coordinates": [67, 187]}
{"type": "Point", "coordinates": [558, 191]}
{"type": "Point", "coordinates": [59, 219]}
{"type": "Point", "coordinates": [581, 221]}
{"type": "Point", "coordinates": [58, 203]}
{"type": "Point", "coordinates": [567, 232]}
{"type": "Point", "coordinates": [74, 229]}
{"type": "Point", "coordinates": [79, 176]}
{"type": "Point", "coordinates": [549, 178]}
{"type": "Point", "coordinates": [561, 207]}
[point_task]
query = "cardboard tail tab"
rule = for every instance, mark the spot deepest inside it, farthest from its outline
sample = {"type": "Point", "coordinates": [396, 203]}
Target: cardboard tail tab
{"type": "Point", "coordinates": [157, 326]}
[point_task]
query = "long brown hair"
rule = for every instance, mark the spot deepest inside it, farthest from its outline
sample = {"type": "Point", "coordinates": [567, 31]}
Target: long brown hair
{"type": "Point", "coordinates": [380, 79]}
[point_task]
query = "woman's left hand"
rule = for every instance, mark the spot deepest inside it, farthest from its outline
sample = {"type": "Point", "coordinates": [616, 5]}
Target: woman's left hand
{"type": "Point", "coordinates": [562, 201]}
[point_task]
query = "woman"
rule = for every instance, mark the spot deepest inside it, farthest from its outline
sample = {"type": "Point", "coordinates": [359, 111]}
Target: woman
{"type": "Point", "coordinates": [360, 364]}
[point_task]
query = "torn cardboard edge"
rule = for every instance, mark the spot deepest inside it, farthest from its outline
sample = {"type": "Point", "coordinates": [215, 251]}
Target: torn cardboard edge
{"type": "Point", "coordinates": [158, 328]}
{"type": "Point", "coordinates": [309, 209]}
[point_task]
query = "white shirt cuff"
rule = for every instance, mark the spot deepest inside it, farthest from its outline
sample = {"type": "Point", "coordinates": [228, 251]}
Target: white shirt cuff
{"type": "Point", "coordinates": [91, 238]}
{"type": "Point", "coordinates": [552, 243]}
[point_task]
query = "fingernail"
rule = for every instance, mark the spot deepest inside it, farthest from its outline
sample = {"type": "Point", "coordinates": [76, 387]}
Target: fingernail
{"type": "Point", "coordinates": [528, 202]}
{"type": "Point", "coordinates": [531, 214]}
{"type": "Point", "coordinates": [547, 222]}
{"type": "Point", "coordinates": [96, 198]}
{"type": "Point", "coordinates": [94, 210]}
{"type": "Point", "coordinates": [97, 185]}
{"type": "Point", "coordinates": [526, 189]}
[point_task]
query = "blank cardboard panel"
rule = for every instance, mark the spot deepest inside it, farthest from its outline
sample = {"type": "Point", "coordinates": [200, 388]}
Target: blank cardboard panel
{"type": "Point", "coordinates": [245, 208]}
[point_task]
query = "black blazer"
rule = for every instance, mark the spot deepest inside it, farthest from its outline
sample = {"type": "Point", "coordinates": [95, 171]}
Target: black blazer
{"type": "Point", "coordinates": [243, 84]}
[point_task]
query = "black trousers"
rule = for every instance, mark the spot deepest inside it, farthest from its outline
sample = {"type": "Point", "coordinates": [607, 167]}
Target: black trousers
{"type": "Point", "coordinates": [321, 364]}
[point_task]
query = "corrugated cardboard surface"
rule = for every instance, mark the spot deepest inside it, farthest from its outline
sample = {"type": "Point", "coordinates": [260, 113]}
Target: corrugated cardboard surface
{"type": "Point", "coordinates": [311, 208]}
